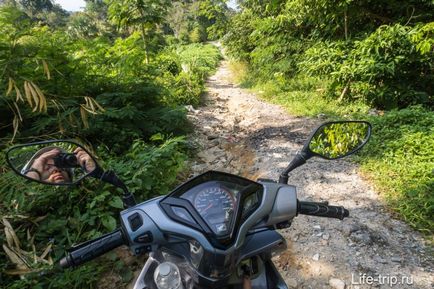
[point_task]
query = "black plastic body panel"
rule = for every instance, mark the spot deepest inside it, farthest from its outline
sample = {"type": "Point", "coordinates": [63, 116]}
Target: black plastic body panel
{"type": "Point", "coordinates": [173, 200]}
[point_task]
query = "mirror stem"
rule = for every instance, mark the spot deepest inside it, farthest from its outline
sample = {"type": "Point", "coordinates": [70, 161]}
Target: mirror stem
{"type": "Point", "coordinates": [111, 178]}
{"type": "Point", "coordinates": [299, 159]}
{"type": "Point", "coordinates": [128, 200]}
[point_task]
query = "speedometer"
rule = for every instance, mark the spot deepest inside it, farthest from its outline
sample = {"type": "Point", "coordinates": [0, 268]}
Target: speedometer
{"type": "Point", "coordinates": [216, 206]}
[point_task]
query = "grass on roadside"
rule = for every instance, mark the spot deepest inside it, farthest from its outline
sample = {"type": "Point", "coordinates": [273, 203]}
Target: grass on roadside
{"type": "Point", "coordinates": [399, 159]}
{"type": "Point", "coordinates": [300, 96]}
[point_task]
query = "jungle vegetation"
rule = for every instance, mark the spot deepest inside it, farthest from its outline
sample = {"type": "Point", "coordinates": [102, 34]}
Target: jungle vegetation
{"type": "Point", "coordinates": [118, 75]}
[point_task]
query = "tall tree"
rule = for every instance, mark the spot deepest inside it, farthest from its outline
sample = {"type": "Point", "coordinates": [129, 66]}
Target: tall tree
{"type": "Point", "coordinates": [143, 15]}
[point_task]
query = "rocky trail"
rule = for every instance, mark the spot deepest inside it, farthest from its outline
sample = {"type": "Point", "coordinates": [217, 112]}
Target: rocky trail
{"type": "Point", "coordinates": [237, 133]}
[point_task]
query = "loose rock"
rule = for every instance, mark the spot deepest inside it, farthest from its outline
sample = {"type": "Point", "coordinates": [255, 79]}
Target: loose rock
{"type": "Point", "coordinates": [361, 237]}
{"type": "Point", "coordinates": [395, 259]}
{"type": "Point", "coordinates": [291, 282]}
{"type": "Point", "coordinates": [349, 229]}
{"type": "Point", "coordinates": [336, 283]}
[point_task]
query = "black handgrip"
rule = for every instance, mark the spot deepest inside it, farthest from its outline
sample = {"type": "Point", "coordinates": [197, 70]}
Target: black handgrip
{"type": "Point", "coordinates": [91, 249]}
{"type": "Point", "coordinates": [322, 210]}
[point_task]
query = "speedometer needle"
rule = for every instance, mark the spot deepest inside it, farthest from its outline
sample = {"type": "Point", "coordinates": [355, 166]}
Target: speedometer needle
{"type": "Point", "coordinates": [209, 206]}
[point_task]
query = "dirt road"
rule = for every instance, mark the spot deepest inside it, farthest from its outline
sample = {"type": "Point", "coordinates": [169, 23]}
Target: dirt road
{"type": "Point", "coordinates": [238, 133]}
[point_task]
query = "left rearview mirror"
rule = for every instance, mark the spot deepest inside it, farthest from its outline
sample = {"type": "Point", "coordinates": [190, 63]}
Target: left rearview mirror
{"type": "Point", "coordinates": [56, 162]}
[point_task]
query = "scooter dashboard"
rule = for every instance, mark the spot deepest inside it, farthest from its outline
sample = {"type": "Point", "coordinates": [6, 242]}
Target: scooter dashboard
{"type": "Point", "coordinates": [222, 201]}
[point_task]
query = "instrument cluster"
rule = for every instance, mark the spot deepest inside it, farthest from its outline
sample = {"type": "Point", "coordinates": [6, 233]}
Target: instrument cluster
{"type": "Point", "coordinates": [216, 204]}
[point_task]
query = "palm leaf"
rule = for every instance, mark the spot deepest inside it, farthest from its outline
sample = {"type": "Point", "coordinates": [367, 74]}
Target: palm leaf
{"type": "Point", "coordinates": [18, 92]}
{"type": "Point", "coordinates": [46, 69]}
{"type": "Point", "coordinates": [10, 86]}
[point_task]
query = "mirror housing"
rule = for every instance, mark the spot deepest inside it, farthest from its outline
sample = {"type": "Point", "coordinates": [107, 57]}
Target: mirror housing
{"type": "Point", "coordinates": [331, 140]}
{"type": "Point", "coordinates": [53, 162]}
{"type": "Point", "coordinates": [338, 139]}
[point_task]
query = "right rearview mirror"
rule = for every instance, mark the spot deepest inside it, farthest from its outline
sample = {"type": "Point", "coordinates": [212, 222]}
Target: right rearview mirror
{"type": "Point", "coordinates": [338, 139]}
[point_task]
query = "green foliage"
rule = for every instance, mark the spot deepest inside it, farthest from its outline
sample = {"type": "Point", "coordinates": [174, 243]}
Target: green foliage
{"type": "Point", "coordinates": [43, 11]}
{"type": "Point", "coordinates": [399, 158]}
{"type": "Point", "coordinates": [142, 16]}
{"type": "Point", "coordinates": [194, 63]}
{"type": "Point", "coordinates": [198, 34]}
{"type": "Point", "coordinates": [275, 49]}
{"type": "Point", "coordinates": [387, 70]}
{"type": "Point", "coordinates": [237, 41]}
{"type": "Point", "coordinates": [132, 13]}
{"type": "Point", "coordinates": [322, 57]}
{"type": "Point", "coordinates": [151, 170]}
{"type": "Point", "coordinates": [385, 64]}
{"type": "Point", "coordinates": [213, 15]}
{"type": "Point", "coordinates": [300, 95]}
{"type": "Point", "coordinates": [199, 59]}
{"type": "Point", "coordinates": [86, 25]}
{"type": "Point", "coordinates": [198, 21]}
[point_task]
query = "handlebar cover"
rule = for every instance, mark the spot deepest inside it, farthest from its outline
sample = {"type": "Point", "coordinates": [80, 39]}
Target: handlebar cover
{"type": "Point", "coordinates": [322, 210]}
{"type": "Point", "coordinates": [91, 249]}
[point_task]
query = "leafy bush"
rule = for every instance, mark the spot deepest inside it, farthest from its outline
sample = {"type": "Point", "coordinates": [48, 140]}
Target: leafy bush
{"type": "Point", "coordinates": [322, 58]}
{"type": "Point", "coordinates": [198, 34]}
{"type": "Point", "coordinates": [387, 69]}
{"type": "Point", "coordinates": [276, 49]}
{"type": "Point", "coordinates": [237, 42]}
{"type": "Point", "coordinates": [399, 158]}
{"type": "Point", "coordinates": [198, 58]}
{"type": "Point", "coordinates": [151, 170]}
{"type": "Point", "coordinates": [196, 61]}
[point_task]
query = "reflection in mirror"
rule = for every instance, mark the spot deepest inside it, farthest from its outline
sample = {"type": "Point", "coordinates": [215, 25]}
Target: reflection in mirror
{"type": "Point", "coordinates": [339, 139]}
{"type": "Point", "coordinates": [53, 163]}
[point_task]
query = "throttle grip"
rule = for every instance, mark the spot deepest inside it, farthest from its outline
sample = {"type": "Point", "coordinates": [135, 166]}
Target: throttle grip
{"type": "Point", "coordinates": [322, 210]}
{"type": "Point", "coordinates": [91, 249]}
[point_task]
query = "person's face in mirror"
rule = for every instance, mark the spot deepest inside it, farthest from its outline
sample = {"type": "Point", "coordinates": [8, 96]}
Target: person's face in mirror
{"type": "Point", "coordinates": [44, 169]}
{"type": "Point", "coordinates": [53, 174]}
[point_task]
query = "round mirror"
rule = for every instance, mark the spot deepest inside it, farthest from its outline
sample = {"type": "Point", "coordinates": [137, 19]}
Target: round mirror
{"type": "Point", "coordinates": [52, 162]}
{"type": "Point", "coordinates": [335, 140]}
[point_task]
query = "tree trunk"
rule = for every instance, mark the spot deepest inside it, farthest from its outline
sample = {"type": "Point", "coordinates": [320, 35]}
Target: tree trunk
{"type": "Point", "coordinates": [145, 44]}
{"type": "Point", "coordinates": [344, 91]}
{"type": "Point", "coordinates": [346, 23]}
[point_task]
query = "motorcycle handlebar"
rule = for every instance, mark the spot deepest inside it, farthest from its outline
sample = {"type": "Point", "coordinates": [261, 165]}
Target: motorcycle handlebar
{"type": "Point", "coordinates": [322, 210]}
{"type": "Point", "coordinates": [91, 249]}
